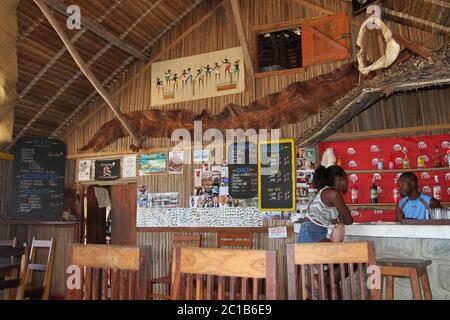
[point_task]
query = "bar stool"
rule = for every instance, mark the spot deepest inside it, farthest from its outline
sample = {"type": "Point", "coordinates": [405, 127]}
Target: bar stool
{"type": "Point", "coordinates": [414, 269]}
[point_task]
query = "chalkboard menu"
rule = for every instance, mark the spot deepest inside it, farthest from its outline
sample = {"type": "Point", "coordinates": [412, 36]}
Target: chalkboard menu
{"type": "Point", "coordinates": [243, 170]}
{"type": "Point", "coordinates": [276, 175]}
{"type": "Point", "coordinates": [38, 183]}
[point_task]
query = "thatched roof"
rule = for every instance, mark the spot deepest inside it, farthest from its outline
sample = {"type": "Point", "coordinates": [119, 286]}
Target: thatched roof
{"type": "Point", "coordinates": [416, 73]}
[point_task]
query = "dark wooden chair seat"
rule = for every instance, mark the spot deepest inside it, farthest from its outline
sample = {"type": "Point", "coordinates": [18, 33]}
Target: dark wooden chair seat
{"type": "Point", "coordinates": [414, 269]}
{"type": "Point", "coordinates": [408, 263]}
{"type": "Point", "coordinates": [13, 271]}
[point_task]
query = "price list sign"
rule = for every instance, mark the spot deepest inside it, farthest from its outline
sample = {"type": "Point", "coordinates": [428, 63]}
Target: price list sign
{"type": "Point", "coordinates": [276, 175]}
{"type": "Point", "coordinates": [38, 186]}
{"type": "Point", "coordinates": [243, 170]}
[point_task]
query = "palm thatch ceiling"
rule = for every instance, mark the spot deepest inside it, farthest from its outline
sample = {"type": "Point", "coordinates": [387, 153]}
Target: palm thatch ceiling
{"type": "Point", "coordinates": [119, 33]}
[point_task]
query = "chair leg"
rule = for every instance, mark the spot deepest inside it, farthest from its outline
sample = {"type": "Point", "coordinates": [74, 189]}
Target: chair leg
{"type": "Point", "coordinates": [415, 285]}
{"type": "Point", "coordinates": [390, 288]}
{"type": "Point", "coordinates": [426, 285]}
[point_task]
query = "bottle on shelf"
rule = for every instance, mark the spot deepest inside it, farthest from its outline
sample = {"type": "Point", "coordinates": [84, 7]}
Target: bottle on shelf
{"type": "Point", "coordinates": [374, 193]}
{"type": "Point", "coordinates": [339, 161]}
{"type": "Point", "coordinates": [380, 164]}
{"type": "Point", "coordinates": [391, 162]}
{"type": "Point", "coordinates": [437, 158]}
{"type": "Point", "coordinates": [448, 156]}
{"type": "Point", "coordinates": [406, 162]}
{"type": "Point", "coordinates": [354, 192]}
{"type": "Point", "coordinates": [420, 161]}
{"type": "Point", "coordinates": [437, 190]}
{"type": "Point", "coordinates": [396, 191]}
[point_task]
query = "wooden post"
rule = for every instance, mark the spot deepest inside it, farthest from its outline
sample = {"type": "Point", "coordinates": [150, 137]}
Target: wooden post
{"type": "Point", "coordinates": [85, 69]}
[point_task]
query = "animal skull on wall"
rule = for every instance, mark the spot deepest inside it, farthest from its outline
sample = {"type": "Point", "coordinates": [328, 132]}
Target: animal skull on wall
{"type": "Point", "coordinates": [392, 47]}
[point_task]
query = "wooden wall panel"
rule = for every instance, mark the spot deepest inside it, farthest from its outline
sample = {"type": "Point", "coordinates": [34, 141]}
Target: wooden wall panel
{"type": "Point", "coordinates": [6, 173]}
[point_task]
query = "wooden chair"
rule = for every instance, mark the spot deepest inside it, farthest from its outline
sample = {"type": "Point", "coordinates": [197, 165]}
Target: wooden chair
{"type": "Point", "coordinates": [13, 271]}
{"type": "Point", "coordinates": [315, 269]}
{"type": "Point", "coordinates": [177, 241]}
{"type": "Point", "coordinates": [241, 240]}
{"type": "Point", "coordinates": [40, 290]}
{"type": "Point", "coordinates": [414, 269]}
{"type": "Point", "coordinates": [197, 269]}
{"type": "Point", "coordinates": [107, 272]}
{"type": "Point", "coordinates": [8, 243]}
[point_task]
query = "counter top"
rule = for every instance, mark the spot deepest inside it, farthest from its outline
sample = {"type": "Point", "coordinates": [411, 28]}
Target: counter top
{"type": "Point", "coordinates": [398, 230]}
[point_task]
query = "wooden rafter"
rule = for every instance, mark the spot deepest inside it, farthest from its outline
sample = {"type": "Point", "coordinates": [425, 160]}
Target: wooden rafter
{"type": "Point", "coordinates": [100, 31]}
{"type": "Point", "coordinates": [242, 37]}
{"type": "Point", "coordinates": [79, 73]}
{"type": "Point", "coordinates": [87, 72]}
{"type": "Point", "coordinates": [440, 3]}
{"type": "Point", "coordinates": [413, 20]}
{"type": "Point", "coordinates": [174, 43]}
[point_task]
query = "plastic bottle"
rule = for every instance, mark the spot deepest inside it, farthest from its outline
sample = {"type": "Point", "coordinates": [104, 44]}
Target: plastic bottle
{"type": "Point", "coordinates": [391, 163]}
{"type": "Point", "coordinates": [437, 190]}
{"type": "Point", "coordinates": [396, 191]}
{"type": "Point", "coordinates": [354, 192]}
{"type": "Point", "coordinates": [374, 193]}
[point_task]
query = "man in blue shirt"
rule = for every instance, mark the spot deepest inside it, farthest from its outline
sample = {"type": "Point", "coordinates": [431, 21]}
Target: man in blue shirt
{"type": "Point", "coordinates": [414, 204]}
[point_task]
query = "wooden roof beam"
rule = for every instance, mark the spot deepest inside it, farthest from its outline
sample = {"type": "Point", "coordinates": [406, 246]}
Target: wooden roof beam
{"type": "Point", "coordinates": [412, 20]}
{"type": "Point", "coordinates": [242, 37]}
{"type": "Point", "coordinates": [440, 3]}
{"type": "Point", "coordinates": [87, 72]}
{"type": "Point", "coordinates": [100, 31]}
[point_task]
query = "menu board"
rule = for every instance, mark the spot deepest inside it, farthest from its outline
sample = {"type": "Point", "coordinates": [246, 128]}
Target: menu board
{"type": "Point", "coordinates": [276, 175]}
{"type": "Point", "coordinates": [243, 170]}
{"type": "Point", "coordinates": [38, 184]}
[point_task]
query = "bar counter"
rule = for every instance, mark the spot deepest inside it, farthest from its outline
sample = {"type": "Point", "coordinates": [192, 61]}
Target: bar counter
{"type": "Point", "coordinates": [411, 241]}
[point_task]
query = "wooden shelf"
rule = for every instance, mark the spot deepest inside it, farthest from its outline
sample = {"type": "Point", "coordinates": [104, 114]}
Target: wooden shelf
{"type": "Point", "coordinates": [382, 205]}
{"type": "Point", "coordinates": [398, 170]}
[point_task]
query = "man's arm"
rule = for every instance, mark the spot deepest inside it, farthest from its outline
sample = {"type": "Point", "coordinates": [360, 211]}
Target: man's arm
{"type": "Point", "coordinates": [400, 215]}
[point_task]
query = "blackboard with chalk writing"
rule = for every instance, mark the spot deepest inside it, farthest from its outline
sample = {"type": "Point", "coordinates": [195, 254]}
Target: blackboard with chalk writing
{"type": "Point", "coordinates": [276, 175]}
{"type": "Point", "coordinates": [38, 179]}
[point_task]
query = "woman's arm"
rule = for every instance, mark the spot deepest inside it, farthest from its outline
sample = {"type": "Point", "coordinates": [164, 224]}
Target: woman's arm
{"type": "Point", "coordinates": [333, 198]}
{"type": "Point", "coordinates": [434, 203]}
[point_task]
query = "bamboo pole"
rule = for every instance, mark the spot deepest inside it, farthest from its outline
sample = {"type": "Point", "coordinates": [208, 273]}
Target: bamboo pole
{"type": "Point", "coordinates": [85, 69]}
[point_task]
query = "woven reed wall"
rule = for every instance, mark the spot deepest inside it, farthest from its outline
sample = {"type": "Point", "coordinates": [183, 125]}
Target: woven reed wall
{"type": "Point", "coordinates": [217, 33]}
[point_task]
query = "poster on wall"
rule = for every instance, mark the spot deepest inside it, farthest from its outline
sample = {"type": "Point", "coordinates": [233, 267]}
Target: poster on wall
{"type": "Point", "coordinates": [84, 170]}
{"type": "Point", "coordinates": [176, 162]}
{"type": "Point", "coordinates": [129, 166]}
{"type": "Point", "coordinates": [106, 170]}
{"type": "Point", "coordinates": [201, 76]}
{"type": "Point", "coordinates": [153, 163]}
{"type": "Point", "coordinates": [163, 200]}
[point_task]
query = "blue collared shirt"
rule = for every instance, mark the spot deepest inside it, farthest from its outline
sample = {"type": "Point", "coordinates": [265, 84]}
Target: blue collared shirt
{"type": "Point", "coordinates": [415, 209]}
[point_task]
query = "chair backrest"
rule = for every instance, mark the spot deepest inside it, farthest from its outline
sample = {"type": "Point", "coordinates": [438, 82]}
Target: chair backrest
{"type": "Point", "coordinates": [111, 272]}
{"type": "Point", "coordinates": [13, 270]}
{"type": "Point", "coordinates": [327, 270]}
{"type": "Point", "coordinates": [209, 274]}
{"type": "Point", "coordinates": [46, 268]}
{"type": "Point", "coordinates": [8, 243]}
{"type": "Point", "coordinates": [240, 240]}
